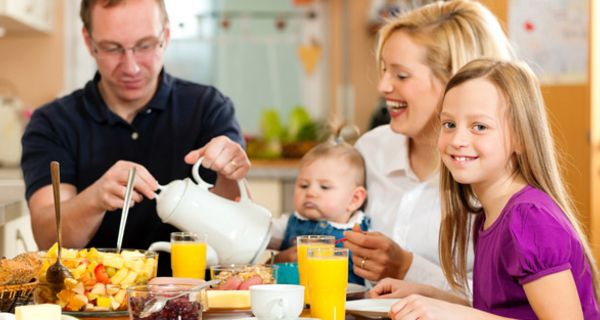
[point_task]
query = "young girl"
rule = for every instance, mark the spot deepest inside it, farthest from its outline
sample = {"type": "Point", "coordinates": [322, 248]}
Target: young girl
{"type": "Point", "coordinates": [329, 192]}
{"type": "Point", "coordinates": [531, 256]}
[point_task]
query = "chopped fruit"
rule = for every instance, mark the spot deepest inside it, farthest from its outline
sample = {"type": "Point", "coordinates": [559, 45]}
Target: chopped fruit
{"type": "Point", "coordinates": [111, 271]}
{"type": "Point", "coordinates": [101, 274]}
{"type": "Point", "coordinates": [99, 278]}
{"type": "Point", "coordinates": [103, 302]}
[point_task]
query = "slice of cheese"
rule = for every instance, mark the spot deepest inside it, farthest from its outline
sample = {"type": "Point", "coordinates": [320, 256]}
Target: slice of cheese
{"type": "Point", "coordinates": [228, 299]}
{"type": "Point", "coordinates": [37, 312]}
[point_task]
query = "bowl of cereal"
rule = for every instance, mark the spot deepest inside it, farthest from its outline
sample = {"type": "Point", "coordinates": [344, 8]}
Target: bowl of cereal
{"type": "Point", "coordinates": [235, 280]}
{"type": "Point", "coordinates": [241, 277]}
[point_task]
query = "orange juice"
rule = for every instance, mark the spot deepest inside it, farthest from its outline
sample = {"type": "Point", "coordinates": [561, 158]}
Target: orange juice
{"type": "Point", "coordinates": [188, 259]}
{"type": "Point", "coordinates": [328, 279]}
{"type": "Point", "coordinates": [305, 242]}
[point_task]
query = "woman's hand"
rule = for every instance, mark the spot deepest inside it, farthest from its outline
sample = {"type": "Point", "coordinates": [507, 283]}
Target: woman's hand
{"type": "Point", "coordinates": [376, 256]}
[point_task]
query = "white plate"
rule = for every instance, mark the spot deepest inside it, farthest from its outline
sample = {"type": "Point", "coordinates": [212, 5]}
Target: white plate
{"type": "Point", "coordinates": [370, 308]}
{"type": "Point", "coordinates": [355, 291]}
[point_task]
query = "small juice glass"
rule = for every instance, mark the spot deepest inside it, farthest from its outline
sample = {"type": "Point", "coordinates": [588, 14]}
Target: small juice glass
{"type": "Point", "coordinates": [327, 282]}
{"type": "Point", "coordinates": [188, 255]}
{"type": "Point", "coordinates": [303, 244]}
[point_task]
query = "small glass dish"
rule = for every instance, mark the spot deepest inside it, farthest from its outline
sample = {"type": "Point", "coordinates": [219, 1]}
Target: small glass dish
{"type": "Point", "coordinates": [241, 277]}
{"type": "Point", "coordinates": [187, 307]}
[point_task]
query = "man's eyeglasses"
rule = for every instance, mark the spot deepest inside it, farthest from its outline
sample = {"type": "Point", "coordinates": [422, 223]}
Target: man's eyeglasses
{"type": "Point", "coordinates": [143, 49]}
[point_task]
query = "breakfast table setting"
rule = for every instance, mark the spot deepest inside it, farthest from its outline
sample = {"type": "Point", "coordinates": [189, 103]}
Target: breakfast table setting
{"type": "Point", "coordinates": [122, 283]}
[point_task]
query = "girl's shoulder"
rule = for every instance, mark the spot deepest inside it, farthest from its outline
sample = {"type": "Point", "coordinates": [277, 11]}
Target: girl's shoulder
{"type": "Point", "coordinates": [534, 205]}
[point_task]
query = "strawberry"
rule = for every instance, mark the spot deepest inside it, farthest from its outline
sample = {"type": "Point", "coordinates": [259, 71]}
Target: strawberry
{"type": "Point", "coordinates": [101, 274]}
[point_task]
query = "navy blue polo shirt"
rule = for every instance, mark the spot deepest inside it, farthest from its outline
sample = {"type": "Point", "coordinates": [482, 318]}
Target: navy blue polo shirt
{"type": "Point", "coordinates": [87, 138]}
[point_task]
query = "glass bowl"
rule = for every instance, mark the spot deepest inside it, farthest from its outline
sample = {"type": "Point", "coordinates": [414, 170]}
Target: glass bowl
{"type": "Point", "coordinates": [186, 307]}
{"type": "Point", "coordinates": [100, 277]}
{"type": "Point", "coordinates": [241, 277]}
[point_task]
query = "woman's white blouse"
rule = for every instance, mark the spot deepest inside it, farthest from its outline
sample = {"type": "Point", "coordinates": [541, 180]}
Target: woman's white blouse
{"type": "Point", "coordinates": [401, 206]}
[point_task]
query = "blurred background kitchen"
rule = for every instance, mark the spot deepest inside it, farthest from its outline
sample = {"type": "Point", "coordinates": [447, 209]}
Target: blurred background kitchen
{"type": "Point", "coordinates": [291, 67]}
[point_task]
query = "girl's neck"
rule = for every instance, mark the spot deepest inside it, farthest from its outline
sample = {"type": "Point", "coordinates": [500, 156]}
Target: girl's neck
{"type": "Point", "coordinates": [494, 196]}
{"type": "Point", "coordinates": [423, 155]}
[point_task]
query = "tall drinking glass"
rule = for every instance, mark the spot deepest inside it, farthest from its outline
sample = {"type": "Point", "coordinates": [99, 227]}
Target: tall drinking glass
{"type": "Point", "coordinates": [303, 244]}
{"type": "Point", "coordinates": [327, 282]}
{"type": "Point", "coordinates": [188, 255]}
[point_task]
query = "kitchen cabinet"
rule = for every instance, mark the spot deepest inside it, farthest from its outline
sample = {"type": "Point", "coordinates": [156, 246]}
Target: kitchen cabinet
{"type": "Point", "coordinates": [27, 16]}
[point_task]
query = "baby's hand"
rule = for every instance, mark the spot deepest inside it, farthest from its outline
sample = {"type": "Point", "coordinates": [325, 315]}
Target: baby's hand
{"type": "Point", "coordinates": [288, 255]}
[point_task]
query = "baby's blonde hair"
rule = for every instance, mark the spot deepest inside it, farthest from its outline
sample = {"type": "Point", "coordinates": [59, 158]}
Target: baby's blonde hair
{"type": "Point", "coordinates": [339, 149]}
{"type": "Point", "coordinates": [535, 159]}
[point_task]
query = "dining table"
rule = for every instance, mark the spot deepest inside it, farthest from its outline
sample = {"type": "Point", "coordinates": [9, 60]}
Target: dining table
{"type": "Point", "coordinates": [305, 313]}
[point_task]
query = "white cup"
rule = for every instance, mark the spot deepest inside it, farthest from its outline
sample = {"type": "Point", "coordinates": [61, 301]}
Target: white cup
{"type": "Point", "coordinates": [277, 301]}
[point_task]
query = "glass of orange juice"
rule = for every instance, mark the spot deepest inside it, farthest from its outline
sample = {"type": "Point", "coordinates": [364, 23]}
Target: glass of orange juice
{"type": "Point", "coordinates": [327, 282]}
{"type": "Point", "coordinates": [303, 243]}
{"type": "Point", "coordinates": [188, 255]}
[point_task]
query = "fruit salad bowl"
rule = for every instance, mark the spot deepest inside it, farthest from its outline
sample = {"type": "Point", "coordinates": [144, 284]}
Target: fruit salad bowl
{"type": "Point", "coordinates": [100, 277]}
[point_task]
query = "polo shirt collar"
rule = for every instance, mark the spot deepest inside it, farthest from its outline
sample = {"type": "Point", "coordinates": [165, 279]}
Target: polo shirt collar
{"type": "Point", "coordinates": [97, 108]}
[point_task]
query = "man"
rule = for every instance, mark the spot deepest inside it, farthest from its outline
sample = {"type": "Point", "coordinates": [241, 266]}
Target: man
{"type": "Point", "coordinates": [131, 114]}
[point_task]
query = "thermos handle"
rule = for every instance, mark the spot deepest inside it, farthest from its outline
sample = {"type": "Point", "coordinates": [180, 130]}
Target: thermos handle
{"type": "Point", "coordinates": [241, 183]}
{"type": "Point", "coordinates": [196, 174]}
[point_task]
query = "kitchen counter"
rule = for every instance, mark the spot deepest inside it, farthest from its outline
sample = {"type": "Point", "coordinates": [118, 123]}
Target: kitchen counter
{"type": "Point", "coordinates": [285, 169]}
{"type": "Point", "coordinates": [12, 199]}
{"type": "Point", "coordinates": [272, 183]}
{"type": "Point", "coordinates": [15, 223]}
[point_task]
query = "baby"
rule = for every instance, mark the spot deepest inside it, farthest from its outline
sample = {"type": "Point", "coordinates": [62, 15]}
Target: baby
{"type": "Point", "coordinates": [329, 193]}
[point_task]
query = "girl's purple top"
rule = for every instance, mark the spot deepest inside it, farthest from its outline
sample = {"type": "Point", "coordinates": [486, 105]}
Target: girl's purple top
{"type": "Point", "coordinates": [531, 238]}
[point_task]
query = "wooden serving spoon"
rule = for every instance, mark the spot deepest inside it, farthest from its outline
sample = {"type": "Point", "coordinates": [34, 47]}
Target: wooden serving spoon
{"type": "Point", "coordinates": [57, 272]}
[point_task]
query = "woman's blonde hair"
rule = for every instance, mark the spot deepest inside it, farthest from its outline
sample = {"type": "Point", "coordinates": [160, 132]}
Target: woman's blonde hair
{"type": "Point", "coordinates": [453, 33]}
{"type": "Point", "coordinates": [534, 159]}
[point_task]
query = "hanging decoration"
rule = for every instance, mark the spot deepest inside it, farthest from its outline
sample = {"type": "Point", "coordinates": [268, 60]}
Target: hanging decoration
{"type": "Point", "coordinates": [309, 55]}
{"type": "Point", "coordinates": [280, 23]}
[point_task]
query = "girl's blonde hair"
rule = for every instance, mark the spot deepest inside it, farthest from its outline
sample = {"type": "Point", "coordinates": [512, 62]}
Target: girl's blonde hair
{"type": "Point", "coordinates": [453, 33]}
{"type": "Point", "coordinates": [534, 159]}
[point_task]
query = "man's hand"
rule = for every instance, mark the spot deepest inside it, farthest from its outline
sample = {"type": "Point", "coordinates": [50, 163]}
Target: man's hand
{"type": "Point", "coordinates": [376, 256]}
{"type": "Point", "coordinates": [109, 191]}
{"type": "Point", "coordinates": [224, 156]}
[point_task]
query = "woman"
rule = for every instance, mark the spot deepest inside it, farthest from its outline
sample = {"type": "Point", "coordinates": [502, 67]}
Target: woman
{"type": "Point", "coordinates": [417, 53]}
